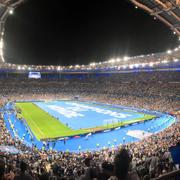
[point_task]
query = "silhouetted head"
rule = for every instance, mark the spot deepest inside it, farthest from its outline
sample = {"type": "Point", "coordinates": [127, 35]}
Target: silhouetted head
{"type": "Point", "coordinates": [121, 164]}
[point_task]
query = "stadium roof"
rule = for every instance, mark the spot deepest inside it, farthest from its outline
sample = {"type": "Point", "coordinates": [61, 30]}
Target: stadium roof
{"type": "Point", "coordinates": [167, 11]}
{"type": "Point", "coordinates": [6, 7]}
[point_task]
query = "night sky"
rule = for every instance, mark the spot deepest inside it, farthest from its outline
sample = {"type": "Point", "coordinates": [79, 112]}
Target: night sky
{"type": "Point", "coordinates": [64, 32]}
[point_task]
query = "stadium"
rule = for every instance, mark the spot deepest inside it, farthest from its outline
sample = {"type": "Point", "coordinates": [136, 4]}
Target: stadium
{"type": "Point", "coordinates": [113, 119]}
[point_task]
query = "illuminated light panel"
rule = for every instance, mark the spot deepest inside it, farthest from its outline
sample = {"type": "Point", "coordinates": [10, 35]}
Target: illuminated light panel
{"type": "Point", "coordinates": [11, 11]}
{"type": "Point", "coordinates": [169, 52]}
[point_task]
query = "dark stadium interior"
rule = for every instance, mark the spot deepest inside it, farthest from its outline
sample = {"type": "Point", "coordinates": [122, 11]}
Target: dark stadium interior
{"type": "Point", "coordinates": [81, 32]}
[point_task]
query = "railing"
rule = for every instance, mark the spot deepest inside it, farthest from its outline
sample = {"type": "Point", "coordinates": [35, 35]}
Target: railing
{"type": "Point", "coordinates": [174, 175]}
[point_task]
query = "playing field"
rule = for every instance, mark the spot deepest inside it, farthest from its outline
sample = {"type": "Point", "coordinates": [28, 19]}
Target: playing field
{"type": "Point", "coordinates": [57, 119]}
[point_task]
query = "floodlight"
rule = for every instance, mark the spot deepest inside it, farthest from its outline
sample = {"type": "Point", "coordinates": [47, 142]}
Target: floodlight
{"type": "Point", "coordinates": [176, 49]}
{"type": "Point", "coordinates": [1, 44]}
{"type": "Point", "coordinates": [11, 11]}
{"type": "Point", "coordinates": [169, 51]}
{"type": "Point", "coordinates": [118, 59]}
{"type": "Point", "coordinates": [176, 60]}
{"type": "Point", "coordinates": [126, 58]}
{"type": "Point", "coordinates": [151, 64]}
{"type": "Point", "coordinates": [131, 66]}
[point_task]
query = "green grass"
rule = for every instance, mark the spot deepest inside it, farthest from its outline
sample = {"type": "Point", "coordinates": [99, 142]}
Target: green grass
{"type": "Point", "coordinates": [44, 126]}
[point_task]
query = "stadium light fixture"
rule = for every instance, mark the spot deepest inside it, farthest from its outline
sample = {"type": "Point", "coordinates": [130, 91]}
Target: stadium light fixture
{"type": "Point", "coordinates": [176, 49]}
{"type": "Point", "coordinates": [112, 60]}
{"type": "Point", "coordinates": [176, 60]}
{"type": "Point", "coordinates": [151, 64]}
{"type": "Point", "coordinates": [136, 65]}
{"type": "Point", "coordinates": [11, 11]}
{"type": "Point", "coordinates": [118, 60]}
{"type": "Point", "coordinates": [136, 7]}
{"type": "Point", "coordinates": [169, 51]}
{"type": "Point", "coordinates": [165, 62]}
{"type": "Point", "coordinates": [126, 58]}
{"type": "Point", "coordinates": [131, 66]}
{"type": "Point", "coordinates": [92, 64]}
{"type": "Point", "coordinates": [1, 44]}
{"type": "Point", "coordinates": [1, 50]}
{"type": "Point", "coordinates": [143, 64]}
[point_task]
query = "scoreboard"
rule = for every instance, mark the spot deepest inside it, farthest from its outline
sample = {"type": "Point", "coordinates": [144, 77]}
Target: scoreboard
{"type": "Point", "coordinates": [34, 75]}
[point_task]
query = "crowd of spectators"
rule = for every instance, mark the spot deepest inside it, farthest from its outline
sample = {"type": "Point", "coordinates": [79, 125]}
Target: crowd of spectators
{"type": "Point", "coordinates": [145, 159]}
{"type": "Point", "coordinates": [151, 90]}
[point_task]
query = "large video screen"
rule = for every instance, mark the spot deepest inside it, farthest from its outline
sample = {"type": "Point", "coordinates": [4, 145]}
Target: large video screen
{"type": "Point", "coordinates": [34, 75]}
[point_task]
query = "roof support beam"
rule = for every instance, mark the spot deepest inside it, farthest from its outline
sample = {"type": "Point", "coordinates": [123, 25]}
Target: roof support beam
{"type": "Point", "coordinates": [168, 7]}
{"type": "Point", "coordinates": [178, 2]}
{"type": "Point", "coordinates": [17, 3]}
{"type": "Point", "coordinates": [151, 11]}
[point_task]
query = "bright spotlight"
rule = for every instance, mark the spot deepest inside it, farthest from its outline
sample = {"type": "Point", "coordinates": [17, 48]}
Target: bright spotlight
{"type": "Point", "coordinates": [59, 68]}
{"type": "Point", "coordinates": [126, 58]}
{"type": "Point", "coordinates": [169, 51]}
{"type": "Point", "coordinates": [1, 44]}
{"type": "Point", "coordinates": [92, 64]}
{"type": "Point", "coordinates": [11, 11]}
{"type": "Point", "coordinates": [165, 62]}
{"type": "Point", "coordinates": [176, 60]}
{"type": "Point", "coordinates": [112, 60]}
{"type": "Point", "coordinates": [118, 60]}
{"type": "Point", "coordinates": [151, 64]}
{"type": "Point", "coordinates": [136, 65]}
{"type": "Point", "coordinates": [131, 66]}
